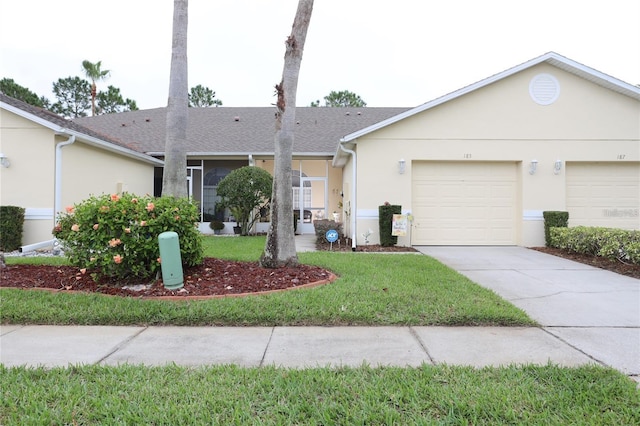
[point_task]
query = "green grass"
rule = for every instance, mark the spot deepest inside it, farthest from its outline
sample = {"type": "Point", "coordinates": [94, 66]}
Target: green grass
{"type": "Point", "coordinates": [427, 395]}
{"type": "Point", "coordinates": [373, 289]}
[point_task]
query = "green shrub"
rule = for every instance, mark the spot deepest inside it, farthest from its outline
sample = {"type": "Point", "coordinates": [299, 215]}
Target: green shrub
{"type": "Point", "coordinates": [323, 225]}
{"type": "Point", "coordinates": [611, 243]}
{"type": "Point", "coordinates": [117, 236]}
{"type": "Point", "coordinates": [11, 226]}
{"type": "Point", "coordinates": [243, 191]}
{"type": "Point", "coordinates": [385, 223]}
{"type": "Point", "coordinates": [554, 219]}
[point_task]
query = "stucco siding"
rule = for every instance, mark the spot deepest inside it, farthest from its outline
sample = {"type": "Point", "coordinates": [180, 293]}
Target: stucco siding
{"type": "Point", "coordinates": [91, 171]}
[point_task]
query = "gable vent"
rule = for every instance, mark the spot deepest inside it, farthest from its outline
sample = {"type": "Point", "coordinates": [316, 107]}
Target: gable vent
{"type": "Point", "coordinates": [544, 89]}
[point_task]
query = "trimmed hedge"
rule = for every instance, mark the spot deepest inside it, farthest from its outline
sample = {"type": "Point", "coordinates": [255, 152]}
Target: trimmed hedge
{"type": "Point", "coordinates": [385, 223]}
{"type": "Point", "coordinates": [554, 220]}
{"type": "Point", "coordinates": [620, 244]}
{"type": "Point", "coordinates": [11, 227]}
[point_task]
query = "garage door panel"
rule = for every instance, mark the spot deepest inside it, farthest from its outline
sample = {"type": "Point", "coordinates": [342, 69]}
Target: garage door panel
{"type": "Point", "coordinates": [464, 203]}
{"type": "Point", "coordinates": [603, 194]}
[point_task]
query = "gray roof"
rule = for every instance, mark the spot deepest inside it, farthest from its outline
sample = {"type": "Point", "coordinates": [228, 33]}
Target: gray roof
{"type": "Point", "coordinates": [229, 131]}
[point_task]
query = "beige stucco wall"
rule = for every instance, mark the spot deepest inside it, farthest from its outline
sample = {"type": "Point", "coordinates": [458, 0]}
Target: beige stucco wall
{"type": "Point", "coordinates": [92, 171]}
{"type": "Point", "coordinates": [30, 180]}
{"type": "Point", "coordinates": [501, 123]}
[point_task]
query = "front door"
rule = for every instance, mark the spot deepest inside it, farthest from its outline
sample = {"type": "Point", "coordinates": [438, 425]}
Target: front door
{"type": "Point", "coordinates": [314, 199]}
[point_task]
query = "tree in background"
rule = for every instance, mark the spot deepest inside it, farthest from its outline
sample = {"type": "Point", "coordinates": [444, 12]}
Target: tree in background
{"type": "Point", "coordinates": [174, 179]}
{"type": "Point", "coordinates": [201, 96]}
{"type": "Point", "coordinates": [343, 98]}
{"type": "Point", "coordinates": [73, 94]}
{"type": "Point", "coordinates": [13, 89]}
{"type": "Point", "coordinates": [94, 72]}
{"type": "Point", "coordinates": [280, 247]}
{"type": "Point", "coordinates": [111, 101]}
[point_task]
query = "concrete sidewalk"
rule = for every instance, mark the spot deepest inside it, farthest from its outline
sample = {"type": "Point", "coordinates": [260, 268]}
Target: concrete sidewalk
{"type": "Point", "coordinates": [294, 347]}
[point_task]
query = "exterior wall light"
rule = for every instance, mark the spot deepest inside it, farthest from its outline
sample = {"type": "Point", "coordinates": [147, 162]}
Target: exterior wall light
{"type": "Point", "coordinates": [557, 166]}
{"type": "Point", "coordinates": [401, 166]}
{"type": "Point", "coordinates": [4, 160]}
{"type": "Point", "coordinates": [533, 167]}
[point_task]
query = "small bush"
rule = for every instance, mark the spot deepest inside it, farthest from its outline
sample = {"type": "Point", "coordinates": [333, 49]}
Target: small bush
{"type": "Point", "coordinates": [611, 243]}
{"type": "Point", "coordinates": [117, 236]}
{"type": "Point", "coordinates": [11, 227]}
{"type": "Point", "coordinates": [554, 219]}
{"type": "Point", "coordinates": [323, 225]}
{"type": "Point", "coordinates": [385, 223]}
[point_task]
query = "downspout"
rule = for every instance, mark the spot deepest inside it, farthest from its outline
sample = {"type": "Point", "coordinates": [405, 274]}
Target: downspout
{"type": "Point", "coordinates": [57, 196]}
{"type": "Point", "coordinates": [58, 179]}
{"type": "Point", "coordinates": [354, 206]}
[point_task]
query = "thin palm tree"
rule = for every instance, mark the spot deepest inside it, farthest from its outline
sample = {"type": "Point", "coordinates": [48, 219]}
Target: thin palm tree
{"type": "Point", "coordinates": [174, 178]}
{"type": "Point", "coordinates": [94, 73]}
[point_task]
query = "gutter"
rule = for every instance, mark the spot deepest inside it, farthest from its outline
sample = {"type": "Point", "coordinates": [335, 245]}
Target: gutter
{"type": "Point", "coordinates": [354, 206]}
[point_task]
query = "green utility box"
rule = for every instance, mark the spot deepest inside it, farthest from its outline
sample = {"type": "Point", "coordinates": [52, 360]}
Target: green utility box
{"type": "Point", "coordinates": [171, 261]}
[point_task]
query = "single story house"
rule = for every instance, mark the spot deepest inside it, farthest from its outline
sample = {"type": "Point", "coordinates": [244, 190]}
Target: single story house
{"type": "Point", "coordinates": [48, 163]}
{"type": "Point", "coordinates": [479, 166]}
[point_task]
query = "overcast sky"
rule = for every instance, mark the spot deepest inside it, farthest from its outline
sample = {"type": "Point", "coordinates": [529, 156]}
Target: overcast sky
{"type": "Point", "coordinates": [391, 53]}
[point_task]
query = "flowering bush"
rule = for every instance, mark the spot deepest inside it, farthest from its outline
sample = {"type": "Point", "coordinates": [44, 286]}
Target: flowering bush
{"type": "Point", "coordinates": [117, 235]}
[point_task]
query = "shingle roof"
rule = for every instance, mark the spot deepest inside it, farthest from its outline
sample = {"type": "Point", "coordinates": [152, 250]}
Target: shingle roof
{"type": "Point", "coordinates": [228, 131]}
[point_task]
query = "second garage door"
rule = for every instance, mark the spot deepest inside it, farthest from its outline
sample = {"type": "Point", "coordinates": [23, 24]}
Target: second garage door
{"type": "Point", "coordinates": [604, 194]}
{"type": "Point", "coordinates": [464, 203]}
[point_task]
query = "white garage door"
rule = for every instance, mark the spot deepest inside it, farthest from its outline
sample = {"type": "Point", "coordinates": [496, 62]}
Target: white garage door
{"type": "Point", "coordinates": [604, 194]}
{"type": "Point", "coordinates": [464, 203]}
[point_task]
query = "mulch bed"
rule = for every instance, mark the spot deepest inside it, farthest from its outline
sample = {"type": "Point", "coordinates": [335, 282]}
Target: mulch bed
{"type": "Point", "coordinates": [613, 265]}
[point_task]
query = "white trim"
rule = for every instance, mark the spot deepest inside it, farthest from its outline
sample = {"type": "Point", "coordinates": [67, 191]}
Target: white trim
{"type": "Point", "coordinates": [32, 213]}
{"type": "Point", "coordinates": [367, 214]}
{"type": "Point", "coordinates": [532, 215]}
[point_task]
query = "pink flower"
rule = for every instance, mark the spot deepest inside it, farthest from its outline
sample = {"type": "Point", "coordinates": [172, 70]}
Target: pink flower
{"type": "Point", "coordinates": [115, 197]}
{"type": "Point", "coordinates": [75, 227]}
{"type": "Point", "coordinates": [127, 230]}
{"type": "Point", "coordinates": [134, 200]}
{"type": "Point", "coordinates": [150, 207]}
{"type": "Point", "coordinates": [114, 242]}
{"type": "Point", "coordinates": [96, 226]}
{"type": "Point", "coordinates": [69, 209]}
{"type": "Point", "coordinates": [143, 223]}
{"type": "Point", "coordinates": [159, 260]}
{"type": "Point", "coordinates": [117, 258]}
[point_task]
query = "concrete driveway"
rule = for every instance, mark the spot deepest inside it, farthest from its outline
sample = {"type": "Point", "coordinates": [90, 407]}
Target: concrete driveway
{"type": "Point", "coordinates": [593, 310]}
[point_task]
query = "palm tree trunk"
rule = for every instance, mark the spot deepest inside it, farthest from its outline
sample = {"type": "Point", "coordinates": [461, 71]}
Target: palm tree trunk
{"type": "Point", "coordinates": [280, 248]}
{"type": "Point", "coordinates": [174, 180]}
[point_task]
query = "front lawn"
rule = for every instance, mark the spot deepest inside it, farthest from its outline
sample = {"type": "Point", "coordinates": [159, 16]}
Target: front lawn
{"type": "Point", "coordinates": [229, 395]}
{"type": "Point", "coordinates": [373, 289]}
